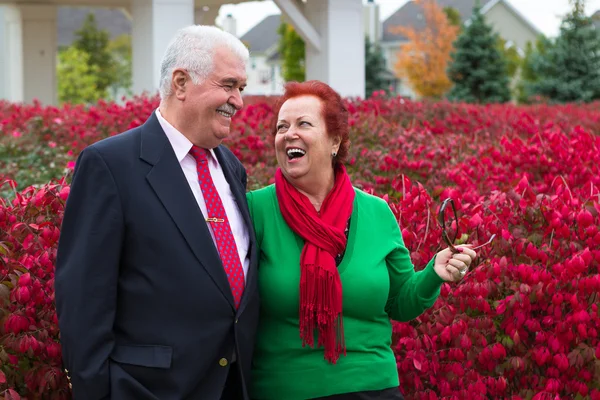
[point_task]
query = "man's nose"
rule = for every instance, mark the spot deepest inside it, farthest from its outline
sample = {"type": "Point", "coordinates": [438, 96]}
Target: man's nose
{"type": "Point", "coordinates": [236, 100]}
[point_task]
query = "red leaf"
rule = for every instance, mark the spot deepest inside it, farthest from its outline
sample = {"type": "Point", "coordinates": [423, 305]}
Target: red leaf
{"type": "Point", "coordinates": [585, 218]}
{"type": "Point", "coordinates": [417, 364]}
{"type": "Point", "coordinates": [12, 395]}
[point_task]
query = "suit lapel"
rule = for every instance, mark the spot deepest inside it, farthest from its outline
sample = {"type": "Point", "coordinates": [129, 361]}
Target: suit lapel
{"type": "Point", "coordinates": [171, 187]}
{"type": "Point", "coordinates": [240, 198]}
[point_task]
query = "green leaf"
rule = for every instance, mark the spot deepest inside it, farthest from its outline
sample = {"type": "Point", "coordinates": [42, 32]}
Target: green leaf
{"type": "Point", "coordinates": [507, 342]}
{"type": "Point", "coordinates": [8, 284]}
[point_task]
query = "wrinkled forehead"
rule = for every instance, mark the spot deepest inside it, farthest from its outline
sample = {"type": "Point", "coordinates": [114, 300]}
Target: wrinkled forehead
{"type": "Point", "coordinates": [228, 65]}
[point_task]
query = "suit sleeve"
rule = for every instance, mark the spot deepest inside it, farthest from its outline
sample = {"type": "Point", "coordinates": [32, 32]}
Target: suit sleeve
{"type": "Point", "coordinates": [244, 178]}
{"type": "Point", "coordinates": [411, 292]}
{"type": "Point", "coordinates": [87, 269]}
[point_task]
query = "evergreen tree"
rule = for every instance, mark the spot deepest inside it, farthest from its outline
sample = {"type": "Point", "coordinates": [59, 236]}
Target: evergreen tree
{"type": "Point", "coordinates": [478, 69]}
{"type": "Point", "coordinates": [292, 53]}
{"type": "Point", "coordinates": [570, 70]}
{"type": "Point", "coordinates": [95, 42]}
{"type": "Point", "coordinates": [374, 68]}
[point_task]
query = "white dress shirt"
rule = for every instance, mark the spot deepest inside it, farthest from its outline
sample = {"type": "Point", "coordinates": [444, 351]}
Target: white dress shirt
{"type": "Point", "coordinates": [182, 146]}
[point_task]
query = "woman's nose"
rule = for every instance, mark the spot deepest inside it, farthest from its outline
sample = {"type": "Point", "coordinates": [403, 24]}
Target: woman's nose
{"type": "Point", "coordinates": [290, 134]}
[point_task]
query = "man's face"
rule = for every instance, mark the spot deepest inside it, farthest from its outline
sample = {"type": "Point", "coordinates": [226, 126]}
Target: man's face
{"type": "Point", "coordinates": [209, 106]}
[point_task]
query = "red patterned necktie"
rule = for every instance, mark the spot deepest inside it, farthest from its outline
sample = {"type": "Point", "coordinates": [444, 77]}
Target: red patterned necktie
{"type": "Point", "coordinates": [220, 225]}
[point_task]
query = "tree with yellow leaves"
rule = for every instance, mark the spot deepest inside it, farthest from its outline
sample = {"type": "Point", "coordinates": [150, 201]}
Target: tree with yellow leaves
{"type": "Point", "coordinates": [423, 60]}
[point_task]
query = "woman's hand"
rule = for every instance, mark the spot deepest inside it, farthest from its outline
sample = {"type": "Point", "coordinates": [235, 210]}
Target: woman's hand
{"type": "Point", "coordinates": [452, 267]}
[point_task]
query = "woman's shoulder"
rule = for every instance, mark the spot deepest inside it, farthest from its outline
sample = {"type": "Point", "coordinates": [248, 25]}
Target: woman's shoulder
{"type": "Point", "coordinates": [366, 199]}
{"type": "Point", "coordinates": [262, 192]}
{"type": "Point", "coordinates": [260, 197]}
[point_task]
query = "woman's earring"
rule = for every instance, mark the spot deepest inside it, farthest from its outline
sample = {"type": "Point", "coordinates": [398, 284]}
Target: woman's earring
{"type": "Point", "coordinates": [334, 154]}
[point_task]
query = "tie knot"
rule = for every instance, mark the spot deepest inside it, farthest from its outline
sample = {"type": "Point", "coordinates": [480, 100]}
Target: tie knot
{"type": "Point", "coordinates": [200, 154]}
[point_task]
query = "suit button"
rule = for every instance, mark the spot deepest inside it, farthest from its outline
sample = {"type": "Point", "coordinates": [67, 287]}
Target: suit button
{"type": "Point", "coordinates": [223, 362]}
{"type": "Point", "coordinates": [236, 320]}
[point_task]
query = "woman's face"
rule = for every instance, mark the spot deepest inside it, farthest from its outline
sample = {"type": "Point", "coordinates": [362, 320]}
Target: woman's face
{"type": "Point", "coordinates": [302, 145]}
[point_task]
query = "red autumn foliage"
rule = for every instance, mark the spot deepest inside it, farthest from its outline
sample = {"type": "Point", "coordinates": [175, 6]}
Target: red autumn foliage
{"type": "Point", "coordinates": [524, 324]}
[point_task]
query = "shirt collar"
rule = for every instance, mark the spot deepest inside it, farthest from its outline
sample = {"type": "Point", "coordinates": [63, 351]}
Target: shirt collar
{"type": "Point", "coordinates": [181, 145]}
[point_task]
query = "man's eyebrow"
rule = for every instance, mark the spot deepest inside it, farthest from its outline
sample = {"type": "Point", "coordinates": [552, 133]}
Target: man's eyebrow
{"type": "Point", "coordinates": [233, 81]}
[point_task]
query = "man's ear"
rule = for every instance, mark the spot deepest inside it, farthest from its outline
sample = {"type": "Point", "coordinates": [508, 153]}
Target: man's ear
{"type": "Point", "coordinates": [179, 83]}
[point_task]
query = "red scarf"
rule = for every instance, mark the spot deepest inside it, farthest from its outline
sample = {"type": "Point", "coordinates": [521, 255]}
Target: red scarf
{"type": "Point", "coordinates": [320, 284]}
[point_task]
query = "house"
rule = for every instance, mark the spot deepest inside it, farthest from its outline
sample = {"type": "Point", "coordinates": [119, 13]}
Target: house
{"type": "Point", "coordinates": [509, 23]}
{"type": "Point", "coordinates": [264, 69]}
{"type": "Point", "coordinates": [265, 73]}
{"type": "Point", "coordinates": [596, 19]}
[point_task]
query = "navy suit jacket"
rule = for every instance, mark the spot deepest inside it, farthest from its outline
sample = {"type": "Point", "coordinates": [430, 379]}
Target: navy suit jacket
{"type": "Point", "coordinates": [144, 305]}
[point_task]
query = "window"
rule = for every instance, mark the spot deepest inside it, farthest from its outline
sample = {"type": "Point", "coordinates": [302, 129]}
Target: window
{"type": "Point", "coordinates": [264, 76]}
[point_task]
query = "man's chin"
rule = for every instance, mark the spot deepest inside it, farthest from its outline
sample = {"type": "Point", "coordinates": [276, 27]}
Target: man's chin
{"type": "Point", "coordinates": [219, 136]}
{"type": "Point", "coordinates": [222, 135]}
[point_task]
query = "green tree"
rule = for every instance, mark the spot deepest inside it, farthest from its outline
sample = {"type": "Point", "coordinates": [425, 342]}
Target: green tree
{"type": "Point", "coordinates": [478, 69]}
{"type": "Point", "coordinates": [569, 71]}
{"type": "Point", "coordinates": [77, 77]}
{"type": "Point", "coordinates": [95, 42]}
{"type": "Point", "coordinates": [374, 68]}
{"type": "Point", "coordinates": [453, 16]}
{"type": "Point", "coordinates": [511, 56]}
{"type": "Point", "coordinates": [528, 72]}
{"type": "Point", "coordinates": [292, 53]}
{"type": "Point", "coordinates": [120, 48]}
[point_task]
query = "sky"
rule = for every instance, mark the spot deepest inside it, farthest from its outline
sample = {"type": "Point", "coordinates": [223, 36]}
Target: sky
{"type": "Point", "coordinates": [543, 14]}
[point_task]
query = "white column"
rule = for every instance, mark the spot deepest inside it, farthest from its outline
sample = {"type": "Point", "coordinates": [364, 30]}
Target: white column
{"type": "Point", "coordinates": [154, 24]}
{"type": "Point", "coordinates": [372, 21]}
{"type": "Point", "coordinates": [341, 60]}
{"type": "Point", "coordinates": [39, 53]}
{"type": "Point", "coordinates": [11, 48]}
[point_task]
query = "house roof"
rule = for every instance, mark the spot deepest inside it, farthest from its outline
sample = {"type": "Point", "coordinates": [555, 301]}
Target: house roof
{"type": "Point", "coordinates": [411, 15]}
{"type": "Point", "coordinates": [70, 19]}
{"type": "Point", "coordinates": [263, 35]}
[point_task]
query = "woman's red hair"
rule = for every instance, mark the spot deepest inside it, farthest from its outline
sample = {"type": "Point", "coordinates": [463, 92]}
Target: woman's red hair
{"type": "Point", "coordinates": [334, 111]}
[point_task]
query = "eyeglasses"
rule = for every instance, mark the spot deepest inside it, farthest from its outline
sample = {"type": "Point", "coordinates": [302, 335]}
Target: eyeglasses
{"type": "Point", "coordinates": [448, 220]}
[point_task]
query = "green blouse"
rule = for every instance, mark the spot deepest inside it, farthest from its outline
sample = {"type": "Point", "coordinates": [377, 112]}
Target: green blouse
{"type": "Point", "coordinates": [379, 282]}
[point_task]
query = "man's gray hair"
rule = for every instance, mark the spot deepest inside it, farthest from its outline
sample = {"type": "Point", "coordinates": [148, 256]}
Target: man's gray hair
{"type": "Point", "coordinates": [192, 49]}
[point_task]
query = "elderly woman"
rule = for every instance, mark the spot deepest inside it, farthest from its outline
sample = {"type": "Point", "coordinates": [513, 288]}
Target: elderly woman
{"type": "Point", "coordinates": [333, 268]}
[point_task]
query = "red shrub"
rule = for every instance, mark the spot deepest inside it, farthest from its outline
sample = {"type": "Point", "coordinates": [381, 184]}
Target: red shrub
{"type": "Point", "coordinates": [524, 324]}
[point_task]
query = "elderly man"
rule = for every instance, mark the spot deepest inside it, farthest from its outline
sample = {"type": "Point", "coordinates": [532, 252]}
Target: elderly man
{"type": "Point", "coordinates": [156, 287]}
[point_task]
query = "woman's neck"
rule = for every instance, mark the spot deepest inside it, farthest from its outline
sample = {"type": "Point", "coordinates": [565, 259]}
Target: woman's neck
{"type": "Point", "coordinates": [317, 190]}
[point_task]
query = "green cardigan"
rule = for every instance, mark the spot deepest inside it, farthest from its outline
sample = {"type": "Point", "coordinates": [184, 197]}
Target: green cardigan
{"type": "Point", "coordinates": [379, 282]}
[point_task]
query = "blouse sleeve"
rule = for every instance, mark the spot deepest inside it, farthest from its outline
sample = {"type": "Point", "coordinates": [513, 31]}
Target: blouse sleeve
{"type": "Point", "coordinates": [411, 292]}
